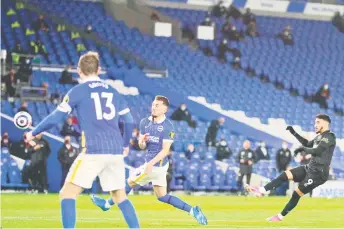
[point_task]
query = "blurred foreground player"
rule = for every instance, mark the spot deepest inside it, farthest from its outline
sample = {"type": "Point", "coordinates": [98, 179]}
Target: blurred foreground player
{"type": "Point", "coordinates": [309, 176]}
{"type": "Point", "coordinates": [98, 106]}
{"type": "Point", "coordinates": [157, 135]}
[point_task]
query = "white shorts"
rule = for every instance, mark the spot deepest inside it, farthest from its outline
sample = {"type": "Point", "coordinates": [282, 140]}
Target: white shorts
{"type": "Point", "coordinates": [109, 168]}
{"type": "Point", "coordinates": [157, 176]}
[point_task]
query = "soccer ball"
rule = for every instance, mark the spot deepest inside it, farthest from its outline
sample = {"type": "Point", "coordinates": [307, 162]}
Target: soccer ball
{"type": "Point", "coordinates": [22, 120]}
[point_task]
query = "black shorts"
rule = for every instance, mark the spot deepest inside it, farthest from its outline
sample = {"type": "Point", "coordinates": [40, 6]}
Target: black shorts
{"type": "Point", "coordinates": [307, 180]}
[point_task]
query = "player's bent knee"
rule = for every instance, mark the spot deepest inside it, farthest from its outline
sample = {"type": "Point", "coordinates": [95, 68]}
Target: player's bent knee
{"type": "Point", "coordinates": [159, 195]}
{"type": "Point", "coordinates": [118, 196]}
{"type": "Point", "coordinates": [66, 193]}
{"type": "Point", "coordinates": [299, 192]}
{"type": "Point", "coordinates": [159, 191]}
{"type": "Point", "coordinates": [70, 191]}
{"type": "Point", "coordinates": [289, 174]}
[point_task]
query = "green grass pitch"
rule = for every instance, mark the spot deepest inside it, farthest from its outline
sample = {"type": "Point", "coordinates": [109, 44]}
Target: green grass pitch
{"type": "Point", "coordinates": [43, 211]}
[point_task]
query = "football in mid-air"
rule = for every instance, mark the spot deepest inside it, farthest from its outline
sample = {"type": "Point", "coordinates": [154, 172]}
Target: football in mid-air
{"type": "Point", "coordinates": [22, 120]}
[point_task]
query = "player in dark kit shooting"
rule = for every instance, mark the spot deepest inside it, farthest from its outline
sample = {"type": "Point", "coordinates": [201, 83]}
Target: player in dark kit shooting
{"type": "Point", "coordinates": [311, 175]}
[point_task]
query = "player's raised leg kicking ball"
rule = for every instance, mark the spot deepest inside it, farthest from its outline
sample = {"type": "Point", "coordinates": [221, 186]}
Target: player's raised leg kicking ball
{"type": "Point", "coordinates": [156, 134]}
{"type": "Point", "coordinates": [309, 176]}
{"type": "Point", "coordinates": [102, 143]}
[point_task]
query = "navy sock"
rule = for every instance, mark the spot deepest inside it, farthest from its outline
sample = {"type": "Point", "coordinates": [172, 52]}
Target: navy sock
{"type": "Point", "coordinates": [127, 191]}
{"type": "Point", "coordinates": [175, 202]}
{"type": "Point", "coordinates": [68, 213]}
{"type": "Point", "coordinates": [291, 204]}
{"type": "Point", "coordinates": [277, 182]}
{"type": "Point", "coordinates": [129, 214]}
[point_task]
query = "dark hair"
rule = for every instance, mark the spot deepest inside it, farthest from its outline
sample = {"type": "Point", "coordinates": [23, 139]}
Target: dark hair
{"type": "Point", "coordinates": [163, 99]}
{"type": "Point", "coordinates": [324, 117]}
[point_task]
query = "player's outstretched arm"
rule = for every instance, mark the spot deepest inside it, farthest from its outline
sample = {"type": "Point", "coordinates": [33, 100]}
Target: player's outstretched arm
{"type": "Point", "coordinates": [51, 120]}
{"type": "Point", "coordinates": [59, 114]}
{"type": "Point", "coordinates": [325, 143]}
{"type": "Point", "coordinates": [301, 139]}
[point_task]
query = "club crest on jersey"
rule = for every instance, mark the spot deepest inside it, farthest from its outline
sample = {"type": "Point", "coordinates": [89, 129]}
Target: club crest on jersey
{"type": "Point", "coordinates": [160, 128]}
{"type": "Point", "coordinates": [324, 140]}
{"type": "Point", "coordinates": [172, 134]}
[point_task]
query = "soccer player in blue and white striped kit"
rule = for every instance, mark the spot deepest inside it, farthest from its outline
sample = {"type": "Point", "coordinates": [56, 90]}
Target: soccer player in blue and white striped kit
{"type": "Point", "coordinates": [98, 107]}
{"type": "Point", "coordinates": [157, 135]}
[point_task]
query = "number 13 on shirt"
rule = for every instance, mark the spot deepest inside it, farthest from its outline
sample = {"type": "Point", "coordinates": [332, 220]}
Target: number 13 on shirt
{"type": "Point", "coordinates": [97, 102]}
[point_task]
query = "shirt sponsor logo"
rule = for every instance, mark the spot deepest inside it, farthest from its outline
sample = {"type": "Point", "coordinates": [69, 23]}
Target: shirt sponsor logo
{"type": "Point", "coordinates": [153, 139]}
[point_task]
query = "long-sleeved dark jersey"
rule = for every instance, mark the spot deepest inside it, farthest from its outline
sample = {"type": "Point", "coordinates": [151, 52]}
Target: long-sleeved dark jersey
{"type": "Point", "coordinates": [321, 148]}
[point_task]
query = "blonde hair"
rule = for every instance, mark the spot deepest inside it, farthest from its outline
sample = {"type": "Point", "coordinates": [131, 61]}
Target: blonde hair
{"type": "Point", "coordinates": [89, 63]}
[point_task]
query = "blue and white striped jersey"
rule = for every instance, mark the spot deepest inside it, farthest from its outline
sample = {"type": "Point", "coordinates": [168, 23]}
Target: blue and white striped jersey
{"type": "Point", "coordinates": [98, 107]}
{"type": "Point", "coordinates": [158, 133]}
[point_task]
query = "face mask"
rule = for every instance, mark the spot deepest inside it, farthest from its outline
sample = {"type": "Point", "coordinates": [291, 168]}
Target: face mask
{"type": "Point", "coordinates": [325, 86]}
{"type": "Point", "coordinates": [262, 145]}
{"type": "Point", "coordinates": [183, 108]}
{"type": "Point", "coordinates": [284, 147]}
{"type": "Point", "coordinates": [223, 143]}
{"type": "Point", "coordinates": [191, 148]}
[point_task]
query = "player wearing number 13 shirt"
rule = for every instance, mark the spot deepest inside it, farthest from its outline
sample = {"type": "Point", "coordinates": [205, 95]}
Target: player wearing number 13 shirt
{"type": "Point", "coordinates": [98, 107]}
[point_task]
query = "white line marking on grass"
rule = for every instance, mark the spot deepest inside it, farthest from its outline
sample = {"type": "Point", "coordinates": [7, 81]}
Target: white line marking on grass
{"type": "Point", "coordinates": [88, 219]}
{"type": "Point", "coordinates": [188, 222]}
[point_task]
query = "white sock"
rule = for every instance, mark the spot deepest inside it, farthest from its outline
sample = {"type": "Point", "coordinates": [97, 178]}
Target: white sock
{"type": "Point", "coordinates": [262, 190]}
{"type": "Point", "coordinates": [107, 205]}
{"type": "Point", "coordinates": [280, 216]}
{"type": "Point", "coordinates": [191, 211]}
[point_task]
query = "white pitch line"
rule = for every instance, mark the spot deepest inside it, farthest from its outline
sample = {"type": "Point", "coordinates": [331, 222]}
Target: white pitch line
{"type": "Point", "coordinates": [95, 219]}
{"type": "Point", "coordinates": [186, 221]}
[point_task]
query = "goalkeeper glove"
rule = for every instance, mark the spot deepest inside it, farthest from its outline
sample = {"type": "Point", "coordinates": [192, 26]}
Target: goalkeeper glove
{"type": "Point", "coordinates": [291, 130]}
